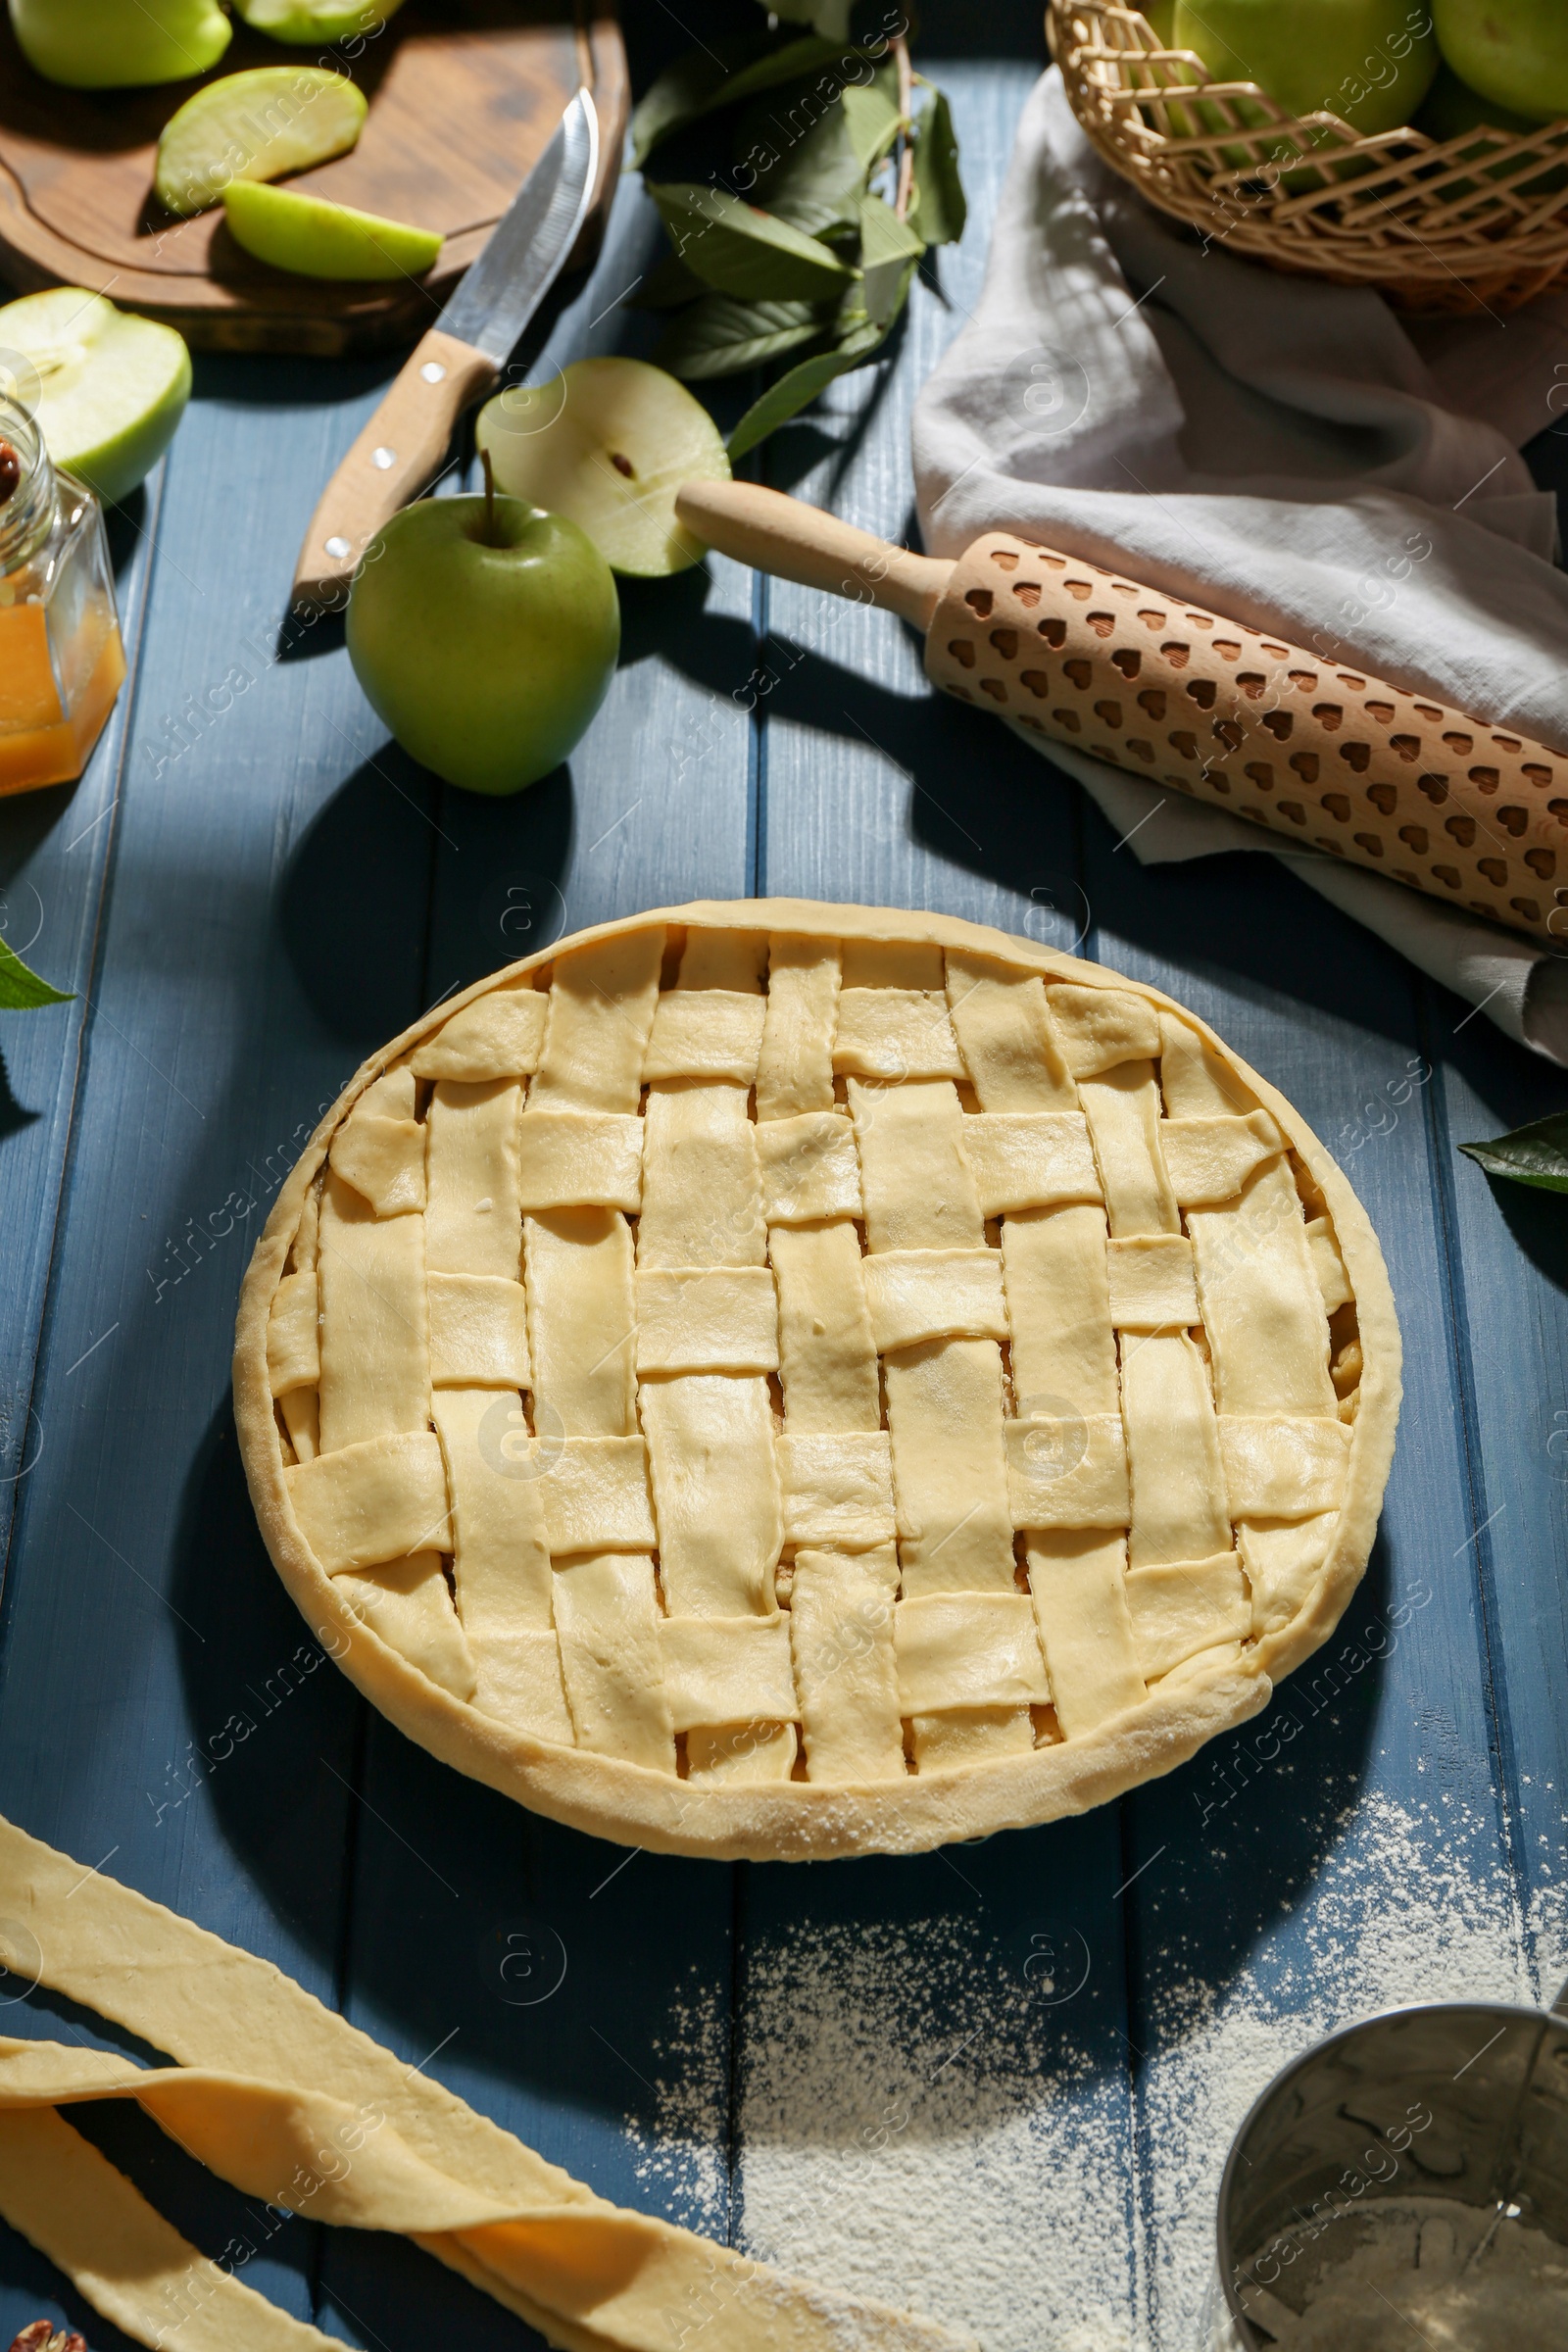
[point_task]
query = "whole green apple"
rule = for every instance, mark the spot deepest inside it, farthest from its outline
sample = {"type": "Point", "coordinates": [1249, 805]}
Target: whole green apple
{"type": "Point", "coordinates": [111, 44]}
{"type": "Point", "coordinates": [1369, 61]}
{"type": "Point", "coordinates": [1451, 107]}
{"type": "Point", "coordinates": [485, 636]}
{"type": "Point", "coordinates": [1514, 52]}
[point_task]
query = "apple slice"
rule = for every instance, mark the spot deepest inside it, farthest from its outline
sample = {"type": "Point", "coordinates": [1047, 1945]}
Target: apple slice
{"type": "Point", "coordinates": [254, 125]}
{"type": "Point", "coordinates": [317, 239]}
{"type": "Point", "coordinates": [113, 44]}
{"type": "Point", "coordinates": [608, 446]}
{"type": "Point", "coordinates": [111, 387]}
{"type": "Point", "coordinates": [316, 19]}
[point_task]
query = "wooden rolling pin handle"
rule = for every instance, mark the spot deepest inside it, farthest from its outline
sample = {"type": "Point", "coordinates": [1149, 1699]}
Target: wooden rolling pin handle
{"type": "Point", "coordinates": [389, 465]}
{"type": "Point", "coordinates": [801, 543]}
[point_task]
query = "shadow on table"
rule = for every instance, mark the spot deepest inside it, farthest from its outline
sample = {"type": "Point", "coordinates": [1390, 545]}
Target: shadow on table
{"type": "Point", "coordinates": [1537, 1221]}
{"type": "Point", "coordinates": [355, 894]}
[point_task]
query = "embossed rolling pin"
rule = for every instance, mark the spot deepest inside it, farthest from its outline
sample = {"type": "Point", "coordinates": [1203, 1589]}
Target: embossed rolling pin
{"type": "Point", "coordinates": [1320, 753]}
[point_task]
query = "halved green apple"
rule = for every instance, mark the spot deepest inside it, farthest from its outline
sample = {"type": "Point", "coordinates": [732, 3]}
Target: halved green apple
{"type": "Point", "coordinates": [316, 19]}
{"type": "Point", "coordinates": [317, 239]}
{"type": "Point", "coordinates": [111, 387]}
{"type": "Point", "coordinates": [609, 447]}
{"type": "Point", "coordinates": [254, 125]}
{"type": "Point", "coordinates": [114, 44]}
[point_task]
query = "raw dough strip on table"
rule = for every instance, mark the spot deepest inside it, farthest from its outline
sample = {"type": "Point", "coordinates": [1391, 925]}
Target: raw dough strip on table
{"type": "Point", "coordinates": [287, 2101]}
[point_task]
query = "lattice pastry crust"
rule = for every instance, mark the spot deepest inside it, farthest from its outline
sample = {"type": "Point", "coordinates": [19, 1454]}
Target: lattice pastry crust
{"type": "Point", "coordinates": [784, 1379]}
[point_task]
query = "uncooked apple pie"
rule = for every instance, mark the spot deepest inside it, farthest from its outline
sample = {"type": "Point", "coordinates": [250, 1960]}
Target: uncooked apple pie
{"type": "Point", "coordinates": [788, 1379]}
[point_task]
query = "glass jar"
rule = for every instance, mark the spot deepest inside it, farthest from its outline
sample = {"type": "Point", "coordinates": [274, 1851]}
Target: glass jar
{"type": "Point", "coordinates": [60, 660]}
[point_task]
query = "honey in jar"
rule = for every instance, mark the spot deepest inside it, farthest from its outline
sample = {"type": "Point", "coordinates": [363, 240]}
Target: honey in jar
{"type": "Point", "coordinates": [60, 660]}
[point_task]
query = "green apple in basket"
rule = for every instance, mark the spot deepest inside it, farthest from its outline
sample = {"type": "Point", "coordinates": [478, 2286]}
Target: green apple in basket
{"type": "Point", "coordinates": [1452, 108]}
{"type": "Point", "coordinates": [485, 634]}
{"type": "Point", "coordinates": [1370, 62]}
{"type": "Point", "coordinates": [1514, 52]}
{"type": "Point", "coordinates": [108, 44]}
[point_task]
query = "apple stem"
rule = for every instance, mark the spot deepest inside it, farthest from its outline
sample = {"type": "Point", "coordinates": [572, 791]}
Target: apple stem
{"type": "Point", "coordinates": [489, 498]}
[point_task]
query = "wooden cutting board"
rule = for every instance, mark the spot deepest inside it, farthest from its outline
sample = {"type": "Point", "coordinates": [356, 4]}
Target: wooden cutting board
{"type": "Point", "coordinates": [464, 98]}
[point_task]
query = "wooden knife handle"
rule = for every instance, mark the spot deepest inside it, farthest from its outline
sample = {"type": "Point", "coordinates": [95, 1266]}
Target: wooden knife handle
{"type": "Point", "coordinates": [394, 457]}
{"type": "Point", "coordinates": [801, 543]}
{"type": "Point", "coordinates": [1306, 745]}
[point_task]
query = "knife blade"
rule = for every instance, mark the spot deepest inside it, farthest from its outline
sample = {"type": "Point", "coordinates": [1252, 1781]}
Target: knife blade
{"type": "Point", "coordinates": [455, 362]}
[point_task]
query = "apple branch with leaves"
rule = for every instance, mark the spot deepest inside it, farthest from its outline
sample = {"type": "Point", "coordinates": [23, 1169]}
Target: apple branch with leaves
{"type": "Point", "coordinates": [801, 179]}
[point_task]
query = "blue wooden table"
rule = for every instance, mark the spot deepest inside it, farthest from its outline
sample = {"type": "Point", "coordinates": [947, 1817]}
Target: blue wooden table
{"type": "Point", "coordinates": [997, 2082]}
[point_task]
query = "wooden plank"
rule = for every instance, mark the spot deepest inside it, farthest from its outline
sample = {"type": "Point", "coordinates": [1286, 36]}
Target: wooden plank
{"type": "Point", "coordinates": [919, 1987]}
{"type": "Point", "coordinates": [1345, 1852]}
{"type": "Point", "coordinates": [54, 856]}
{"type": "Point", "coordinates": [655, 806]}
{"type": "Point", "coordinates": [55, 850]}
{"type": "Point", "coordinates": [1507, 1260]}
{"type": "Point", "coordinates": [160, 1712]}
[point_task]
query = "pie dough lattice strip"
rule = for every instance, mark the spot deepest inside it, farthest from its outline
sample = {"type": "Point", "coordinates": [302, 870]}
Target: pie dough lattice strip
{"type": "Point", "coordinates": [292, 2105]}
{"type": "Point", "coordinates": [1060, 1424]}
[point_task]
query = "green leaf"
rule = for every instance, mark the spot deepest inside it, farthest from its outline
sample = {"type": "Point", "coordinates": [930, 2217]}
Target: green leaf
{"type": "Point", "coordinates": [938, 208]}
{"type": "Point", "coordinates": [811, 180]}
{"type": "Point", "coordinates": [890, 252]}
{"type": "Point", "coordinates": [873, 118]}
{"type": "Point", "coordinates": [689, 89]}
{"type": "Point", "coordinates": [787, 64]}
{"type": "Point", "coordinates": [1535, 1155]}
{"type": "Point", "coordinates": [21, 991]}
{"type": "Point", "coordinates": [786, 399]}
{"type": "Point", "coordinates": [701, 84]}
{"type": "Point", "coordinates": [720, 336]}
{"type": "Point", "coordinates": [666, 285]}
{"type": "Point", "coordinates": [736, 248]}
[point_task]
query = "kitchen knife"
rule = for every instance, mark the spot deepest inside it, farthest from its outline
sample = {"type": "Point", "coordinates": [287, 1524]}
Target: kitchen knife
{"type": "Point", "coordinates": [456, 361]}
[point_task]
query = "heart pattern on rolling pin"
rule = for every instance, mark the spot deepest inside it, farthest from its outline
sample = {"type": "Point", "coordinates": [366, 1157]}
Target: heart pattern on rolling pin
{"type": "Point", "coordinates": [1315, 751]}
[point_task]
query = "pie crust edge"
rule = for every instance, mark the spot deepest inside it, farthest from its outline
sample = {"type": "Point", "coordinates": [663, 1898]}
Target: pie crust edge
{"type": "Point", "coordinates": [631, 1804]}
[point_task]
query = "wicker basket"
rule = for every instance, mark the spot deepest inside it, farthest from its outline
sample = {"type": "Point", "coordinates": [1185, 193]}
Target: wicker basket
{"type": "Point", "coordinates": [1467, 224]}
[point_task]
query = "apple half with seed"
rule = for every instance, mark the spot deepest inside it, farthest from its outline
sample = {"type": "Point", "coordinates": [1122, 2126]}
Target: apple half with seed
{"type": "Point", "coordinates": [108, 388]}
{"type": "Point", "coordinates": [609, 444]}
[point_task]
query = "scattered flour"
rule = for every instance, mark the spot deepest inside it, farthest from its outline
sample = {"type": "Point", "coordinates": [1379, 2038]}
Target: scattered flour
{"type": "Point", "coordinates": [915, 2124]}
